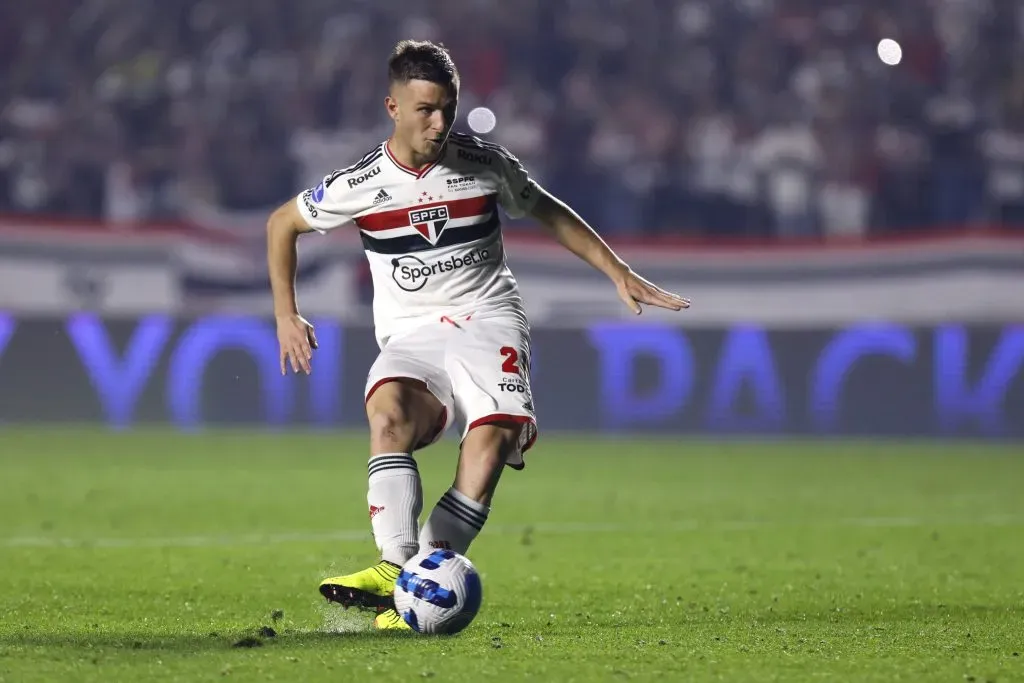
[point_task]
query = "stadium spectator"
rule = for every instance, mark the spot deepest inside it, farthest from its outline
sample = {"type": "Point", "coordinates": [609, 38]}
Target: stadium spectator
{"type": "Point", "coordinates": [744, 118]}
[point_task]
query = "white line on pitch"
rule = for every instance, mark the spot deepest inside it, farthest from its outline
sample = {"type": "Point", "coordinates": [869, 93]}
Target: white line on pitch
{"type": "Point", "coordinates": [570, 528]}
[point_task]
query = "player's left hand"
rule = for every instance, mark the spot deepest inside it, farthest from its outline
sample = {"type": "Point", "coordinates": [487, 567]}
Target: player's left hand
{"type": "Point", "coordinates": [635, 290]}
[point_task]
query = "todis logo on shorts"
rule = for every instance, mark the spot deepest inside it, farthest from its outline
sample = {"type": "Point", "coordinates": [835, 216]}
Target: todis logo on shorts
{"type": "Point", "coordinates": [412, 273]}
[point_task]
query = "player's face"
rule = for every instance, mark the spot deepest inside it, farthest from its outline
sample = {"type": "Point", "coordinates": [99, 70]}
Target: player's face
{"type": "Point", "coordinates": [423, 113]}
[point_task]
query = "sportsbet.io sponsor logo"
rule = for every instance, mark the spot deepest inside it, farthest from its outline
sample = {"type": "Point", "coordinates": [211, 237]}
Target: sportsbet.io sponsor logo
{"type": "Point", "coordinates": [359, 180]}
{"type": "Point", "coordinates": [412, 274]}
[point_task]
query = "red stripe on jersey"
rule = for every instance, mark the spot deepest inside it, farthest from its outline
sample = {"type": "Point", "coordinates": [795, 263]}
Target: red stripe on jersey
{"type": "Point", "coordinates": [399, 218]}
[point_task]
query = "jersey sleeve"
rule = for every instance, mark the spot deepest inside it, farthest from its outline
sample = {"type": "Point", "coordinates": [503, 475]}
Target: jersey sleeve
{"type": "Point", "coordinates": [326, 206]}
{"type": "Point", "coordinates": [519, 192]}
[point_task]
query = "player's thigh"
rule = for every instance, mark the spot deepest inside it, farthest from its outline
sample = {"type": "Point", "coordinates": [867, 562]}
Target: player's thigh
{"type": "Point", "coordinates": [408, 389]}
{"type": "Point", "coordinates": [403, 414]}
{"type": "Point", "coordinates": [489, 369]}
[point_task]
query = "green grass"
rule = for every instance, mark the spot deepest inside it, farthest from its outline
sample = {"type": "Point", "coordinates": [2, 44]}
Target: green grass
{"type": "Point", "coordinates": [149, 555]}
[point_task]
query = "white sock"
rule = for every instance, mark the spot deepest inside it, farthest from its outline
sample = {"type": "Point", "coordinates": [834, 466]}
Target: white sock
{"type": "Point", "coordinates": [453, 523]}
{"type": "Point", "coordinates": [395, 497]}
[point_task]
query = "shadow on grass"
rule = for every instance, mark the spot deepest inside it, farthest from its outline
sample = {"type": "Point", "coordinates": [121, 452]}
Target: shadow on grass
{"type": "Point", "coordinates": [193, 643]}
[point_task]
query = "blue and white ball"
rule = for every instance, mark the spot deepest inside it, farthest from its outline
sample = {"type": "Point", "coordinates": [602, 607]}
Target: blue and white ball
{"type": "Point", "coordinates": [438, 591]}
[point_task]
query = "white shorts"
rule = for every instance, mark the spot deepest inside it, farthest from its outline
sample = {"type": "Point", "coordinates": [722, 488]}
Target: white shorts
{"type": "Point", "coordinates": [479, 370]}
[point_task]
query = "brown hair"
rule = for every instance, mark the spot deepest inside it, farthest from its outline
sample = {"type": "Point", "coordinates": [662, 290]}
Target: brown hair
{"type": "Point", "coordinates": [422, 60]}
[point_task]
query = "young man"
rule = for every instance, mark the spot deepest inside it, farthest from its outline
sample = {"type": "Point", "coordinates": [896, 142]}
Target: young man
{"type": "Point", "coordinates": [454, 338]}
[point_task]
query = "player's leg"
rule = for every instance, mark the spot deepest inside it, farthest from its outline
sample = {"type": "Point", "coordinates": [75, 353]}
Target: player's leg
{"type": "Point", "coordinates": [403, 416]}
{"type": "Point", "coordinates": [488, 365]}
{"type": "Point", "coordinates": [460, 514]}
{"type": "Point", "coordinates": [405, 411]}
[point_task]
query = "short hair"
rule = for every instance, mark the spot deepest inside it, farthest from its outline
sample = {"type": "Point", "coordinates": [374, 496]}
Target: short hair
{"type": "Point", "coordinates": [424, 61]}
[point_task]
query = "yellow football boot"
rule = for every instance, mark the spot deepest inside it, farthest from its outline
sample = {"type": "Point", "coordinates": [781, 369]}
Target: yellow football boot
{"type": "Point", "coordinates": [369, 589]}
{"type": "Point", "coordinates": [390, 620]}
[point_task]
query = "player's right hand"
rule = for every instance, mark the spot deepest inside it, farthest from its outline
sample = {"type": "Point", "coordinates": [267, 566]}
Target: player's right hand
{"type": "Point", "coordinates": [297, 341]}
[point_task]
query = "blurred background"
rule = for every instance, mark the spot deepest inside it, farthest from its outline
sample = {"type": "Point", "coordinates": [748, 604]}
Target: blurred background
{"type": "Point", "coordinates": [767, 118]}
{"type": "Point", "coordinates": [726, 145]}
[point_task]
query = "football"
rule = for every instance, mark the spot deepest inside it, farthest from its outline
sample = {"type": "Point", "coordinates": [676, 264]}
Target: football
{"type": "Point", "coordinates": [438, 591]}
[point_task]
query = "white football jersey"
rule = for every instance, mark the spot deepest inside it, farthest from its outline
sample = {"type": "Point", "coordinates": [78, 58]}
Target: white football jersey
{"type": "Point", "coordinates": [432, 236]}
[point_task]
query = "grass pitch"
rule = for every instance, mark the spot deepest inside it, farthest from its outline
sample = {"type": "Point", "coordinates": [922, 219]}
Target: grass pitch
{"type": "Point", "coordinates": [156, 556]}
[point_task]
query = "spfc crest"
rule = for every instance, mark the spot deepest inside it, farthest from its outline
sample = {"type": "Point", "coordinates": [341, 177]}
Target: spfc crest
{"type": "Point", "coordinates": [430, 222]}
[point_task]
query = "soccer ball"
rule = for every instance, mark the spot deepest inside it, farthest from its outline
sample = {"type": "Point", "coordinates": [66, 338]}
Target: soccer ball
{"type": "Point", "coordinates": [438, 591]}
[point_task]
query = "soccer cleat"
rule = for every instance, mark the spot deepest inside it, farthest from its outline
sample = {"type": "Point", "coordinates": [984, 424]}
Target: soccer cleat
{"type": "Point", "coordinates": [390, 620]}
{"type": "Point", "coordinates": [370, 589]}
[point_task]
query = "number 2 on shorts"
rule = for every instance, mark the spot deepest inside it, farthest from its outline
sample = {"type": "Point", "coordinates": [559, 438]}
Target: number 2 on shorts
{"type": "Point", "coordinates": [509, 366]}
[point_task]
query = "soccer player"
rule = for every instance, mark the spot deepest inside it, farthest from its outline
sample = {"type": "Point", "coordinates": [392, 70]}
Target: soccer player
{"type": "Point", "coordinates": [453, 335]}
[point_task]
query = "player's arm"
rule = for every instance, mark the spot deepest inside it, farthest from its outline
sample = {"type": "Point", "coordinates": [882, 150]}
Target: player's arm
{"type": "Point", "coordinates": [294, 333]}
{"type": "Point", "coordinates": [521, 196]}
{"type": "Point", "coordinates": [283, 229]}
{"type": "Point", "coordinates": [322, 208]}
{"type": "Point", "coordinates": [573, 233]}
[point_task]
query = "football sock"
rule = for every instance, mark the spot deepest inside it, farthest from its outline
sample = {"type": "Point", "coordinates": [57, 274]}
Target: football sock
{"type": "Point", "coordinates": [395, 497]}
{"type": "Point", "coordinates": [453, 523]}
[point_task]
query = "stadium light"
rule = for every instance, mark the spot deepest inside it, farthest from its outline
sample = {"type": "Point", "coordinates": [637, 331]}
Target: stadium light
{"type": "Point", "coordinates": [889, 51]}
{"type": "Point", "coordinates": [481, 120]}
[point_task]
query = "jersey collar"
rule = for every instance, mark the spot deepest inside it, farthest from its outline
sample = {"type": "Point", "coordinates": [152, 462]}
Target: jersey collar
{"type": "Point", "coordinates": [408, 169]}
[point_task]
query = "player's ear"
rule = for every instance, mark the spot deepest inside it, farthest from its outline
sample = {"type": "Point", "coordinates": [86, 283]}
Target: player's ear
{"type": "Point", "coordinates": [391, 104]}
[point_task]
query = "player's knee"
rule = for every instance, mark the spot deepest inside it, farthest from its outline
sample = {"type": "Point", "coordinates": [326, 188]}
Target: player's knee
{"type": "Point", "coordinates": [400, 416]}
{"type": "Point", "coordinates": [391, 423]}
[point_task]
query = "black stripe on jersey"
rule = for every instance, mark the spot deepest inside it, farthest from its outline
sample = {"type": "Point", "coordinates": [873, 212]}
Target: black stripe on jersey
{"type": "Point", "coordinates": [363, 160]}
{"type": "Point", "coordinates": [408, 244]}
{"type": "Point", "coordinates": [367, 159]}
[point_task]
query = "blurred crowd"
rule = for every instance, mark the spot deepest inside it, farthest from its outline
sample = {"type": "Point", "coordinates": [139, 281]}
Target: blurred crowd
{"type": "Point", "coordinates": [703, 117]}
